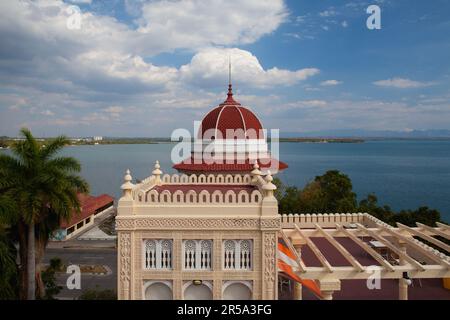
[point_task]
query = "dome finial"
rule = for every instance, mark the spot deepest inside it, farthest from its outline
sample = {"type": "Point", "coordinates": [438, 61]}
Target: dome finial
{"type": "Point", "coordinates": [230, 87]}
{"type": "Point", "coordinates": [229, 69]}
{"type": "Point", "coordinates": [230, 99]}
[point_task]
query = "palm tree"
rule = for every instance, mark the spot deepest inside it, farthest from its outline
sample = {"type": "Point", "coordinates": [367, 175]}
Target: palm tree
{"type": "Point", "coordinates": [43, 185]}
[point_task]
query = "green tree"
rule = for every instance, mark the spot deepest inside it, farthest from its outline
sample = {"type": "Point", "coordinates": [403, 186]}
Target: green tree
{"type": "Point", "coordinates": [49, 279]}
{"type": "Point", "coordinates": [8, 252]}
{"type": "Point", "coordinates": [371, 206]}
{"type": "Point", "coordinates": [336, 191]}
{"type": "Point", "coordinates": [8, 266]}
{"type": "Point", "coordinates": [312, 199]}
{"type": "Point", "coordinates": [43, 186]}
{"type": "Point", "coordinates": [423, 215]}
{"type": "Point", "coordinates": [331, 192]}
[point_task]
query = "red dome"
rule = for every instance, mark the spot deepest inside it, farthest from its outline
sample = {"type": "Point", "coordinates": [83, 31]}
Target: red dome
{"type": "Point", "coordinates": [231, 115]}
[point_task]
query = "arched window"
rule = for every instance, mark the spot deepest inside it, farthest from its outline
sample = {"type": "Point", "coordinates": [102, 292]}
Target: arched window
{"type": "Point", "coordinates": [166, 254]}
{"type": "Point", "coordinates": [158, 254]}
{"type": "Point", "coordinates": [237, 255]}
{"type": "Point", "coordinates": [205, 254]}
{"type": "Point", "coordinates": [229, 261]}
{"type": "Point", "coordinates": [245, 255]}
{"type": "Point", "coordinates": [150, 254]}
{"type": "Point", "coordinates": [197, 254]}
{"type": "Point", "coordinates": [189, 254]}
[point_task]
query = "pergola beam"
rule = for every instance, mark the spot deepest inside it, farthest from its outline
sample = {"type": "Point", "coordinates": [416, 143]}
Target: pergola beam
{"type": "Point", "coordinates": [424, 236]}
{"type": "Point", "coordinates": [339, 247]}
{"type": "Point", "coordinates": [315, 250]}
{"type": "Point", "coordinates": [430, 254]}
{"type": "Point", "coordinates": [349, 272]}
{"type": "Point", "coordinates": [301, 265]}
{"type": "Point", "coordinates": [434, 230]}
{"type": "Point", "coordinates": [443, 226]}
{"type": "Point", "coordinates": [391, 246]}
{"type": "Point", "coordinates": [367, 248]}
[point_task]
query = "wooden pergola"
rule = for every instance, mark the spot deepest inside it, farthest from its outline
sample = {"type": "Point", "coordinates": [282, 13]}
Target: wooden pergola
{"type": "Point", "coordinates": [410, 252]}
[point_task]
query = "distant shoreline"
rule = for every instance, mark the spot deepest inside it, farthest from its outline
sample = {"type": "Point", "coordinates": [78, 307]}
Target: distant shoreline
{"type": "Point", "coordinates": [5, 142]}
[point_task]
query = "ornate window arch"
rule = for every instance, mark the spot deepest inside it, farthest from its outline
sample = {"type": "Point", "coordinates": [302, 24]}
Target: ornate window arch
{"type": "Point", "coordinates": [237, 254]}
{"type": "Point", "coordinates": [157, 254]}
{"type": "Point", "coordinates": [197, 254]}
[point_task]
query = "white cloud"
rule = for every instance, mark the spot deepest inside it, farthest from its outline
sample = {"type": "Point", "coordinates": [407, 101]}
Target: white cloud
{"type": "Point", "coordinates": [344, 24]}
{"type": "Point", "coordinates": [47, 113]}
{"type": "Point", "coordinates": [211, 65]}
{"type": "Point", "coordinates": [309, 103]}
{"type": "Point", "coordinates": [330, 83]}
{"type": "Point", "coordinates": [328, 13]}
{"type": "Point", "coordinates": [81, 1]}
{"type": "Point", "coordinates": [114, 109]}
{"type": "Point", "coordinates": [197, 23]}
{"type": "Point", "coordinates": [401, 83]}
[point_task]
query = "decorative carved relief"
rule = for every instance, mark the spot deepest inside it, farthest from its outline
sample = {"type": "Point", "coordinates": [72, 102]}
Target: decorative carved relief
{"type": "Point", "coordinates": [124, 224]}
{"type": "Point", "coordinates": [125, 263]}
{"type": "Point", "coordinates": [269, 243]}
{"type": "Point", "coordinates": [186, 223]}
{"type": "Point", "coordinates": [273, 223]}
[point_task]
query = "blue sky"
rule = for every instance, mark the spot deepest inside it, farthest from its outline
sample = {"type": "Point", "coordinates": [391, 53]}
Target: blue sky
{"type": "Point", "coordinates": [145, 68]}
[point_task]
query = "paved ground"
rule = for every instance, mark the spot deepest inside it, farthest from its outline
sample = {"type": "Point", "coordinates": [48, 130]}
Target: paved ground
{"type": "Point", "coordinates": [91, 256]}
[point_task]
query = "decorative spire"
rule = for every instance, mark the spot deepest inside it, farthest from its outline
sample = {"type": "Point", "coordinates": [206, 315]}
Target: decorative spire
{"type": "Point", "coordinates": [255, 173]}
{"type": "Point", "coordinates": [230, 99]}
{"type": "Point", "coordinates": [128, 176]}
{"type": "Point", "coordinates": [269, 187]}
{"type": "Point", "coordinates": [229, 70]}
{"type": "Point", "coordinates": [255, 170]}
{"type": "Point", "coordinates": [157, 173]}
{"type": "Point", "coordinates": [127, 186]}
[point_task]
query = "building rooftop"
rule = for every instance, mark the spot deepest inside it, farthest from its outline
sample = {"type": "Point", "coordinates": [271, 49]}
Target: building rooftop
{"type": "Point", "coordinates": [89, 204]}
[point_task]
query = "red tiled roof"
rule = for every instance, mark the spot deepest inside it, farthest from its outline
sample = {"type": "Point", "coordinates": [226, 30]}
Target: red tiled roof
{"type": "Point", "coordinates": [189, 165]}
{"type": "Point", "coordinates": [208, 187]}
{"type": "Point", "coordinates": [88, 206]}
{"type": "Point", "coordinates": [231, 115]}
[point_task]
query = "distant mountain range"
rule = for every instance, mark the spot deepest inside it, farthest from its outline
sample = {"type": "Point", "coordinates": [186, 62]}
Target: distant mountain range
{"type": "Point", "coordinates": [352, 133]}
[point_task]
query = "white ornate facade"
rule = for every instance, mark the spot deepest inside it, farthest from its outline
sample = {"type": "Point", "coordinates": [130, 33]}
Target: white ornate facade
{"type": "Point", "coordinates": [180, 238]}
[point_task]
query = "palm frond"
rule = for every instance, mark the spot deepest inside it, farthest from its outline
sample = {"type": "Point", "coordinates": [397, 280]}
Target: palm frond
{"type": "Point", "coordinates": [64, 163]}
{"type": "Point", "coordinates": [54, 147]}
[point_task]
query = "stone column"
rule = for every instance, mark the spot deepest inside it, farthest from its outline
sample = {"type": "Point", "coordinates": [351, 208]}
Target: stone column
{"type": "Point", "coordinates": [269, 283]}
{"type": "Point", "coordinates": [298, 291]}
{"type": "Point", "coordinates": [402, 289]}
{"type": "Point", "coordinates": [124, 266]}
{"type": "Point", "coordinates": [328, 286]}
{"type": "Point", "coordinates": [177, 285]}
{"type": "Point", "coordinates": [402, 283]}
{"type": "Point", "coordinates": [327, 295]}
